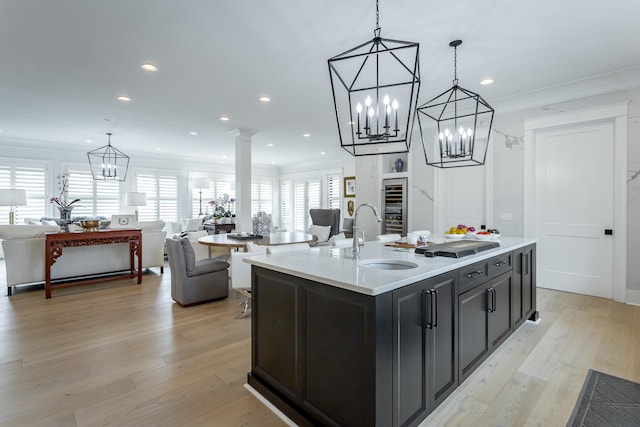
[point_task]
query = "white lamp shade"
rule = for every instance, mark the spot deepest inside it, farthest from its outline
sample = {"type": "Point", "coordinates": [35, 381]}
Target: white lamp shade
{"type": "Point", "coordinates": [13, 197]}
{"type": "Point", "coordinates": [199, 183]}
{"type": "Point", "coordinates": [134, 198]}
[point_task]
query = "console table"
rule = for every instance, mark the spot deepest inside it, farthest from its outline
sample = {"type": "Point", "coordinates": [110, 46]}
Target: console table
{"type": "Point", "coordinates": [55, 242]}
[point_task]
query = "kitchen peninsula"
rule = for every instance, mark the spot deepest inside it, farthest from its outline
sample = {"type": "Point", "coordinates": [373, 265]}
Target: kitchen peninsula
{"type": "Point", "coordinates": [384, 340]}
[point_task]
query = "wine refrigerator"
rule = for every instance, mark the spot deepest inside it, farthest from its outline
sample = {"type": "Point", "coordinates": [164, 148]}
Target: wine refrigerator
{"type": "Point", "coordinates": [394, 206]}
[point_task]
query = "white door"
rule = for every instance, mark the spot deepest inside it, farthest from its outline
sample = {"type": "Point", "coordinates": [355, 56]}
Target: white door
{"type": "Point", "coordinates": [574, 207]}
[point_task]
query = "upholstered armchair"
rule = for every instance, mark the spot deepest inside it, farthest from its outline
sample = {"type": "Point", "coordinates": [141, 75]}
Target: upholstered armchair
{"type": "Point", "coordinates": [195, 282]}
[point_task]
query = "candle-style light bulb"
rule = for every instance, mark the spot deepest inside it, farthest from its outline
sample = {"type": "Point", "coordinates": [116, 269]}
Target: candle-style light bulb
{"type": "Point", "coordinates": [385, 100]}
{"type": "Point", "coordinates": [461, 131]}
{"type": "Point", "coordinates": [469, 133]}
{"type": "Point", "coordinates": [359, 110]}
{"type": "Point", "coordinates": [441, 136]}
{"type": "Point", "coordinates": [446, 132]}
{"type": "Point", "coordinates": [367, 101]}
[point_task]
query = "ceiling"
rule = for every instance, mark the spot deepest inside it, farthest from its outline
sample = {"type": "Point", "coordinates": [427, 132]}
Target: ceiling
{"type": "Point", "coordinates": [63, 63]}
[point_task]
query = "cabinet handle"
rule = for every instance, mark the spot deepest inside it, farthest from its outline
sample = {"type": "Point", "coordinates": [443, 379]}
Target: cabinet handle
{"type": "Point", "coordinates": [434, 308]}
{"type": "Point", "coordinates": [427, 303]}
{"type": "Point", "coordinates": [500, 263]}
{"type": "Point", "coordinates": [491, 300]}
{"type": "Point", "coordinates": [473, 274]}
{"type": "Point", "coordinates": [525, 263]}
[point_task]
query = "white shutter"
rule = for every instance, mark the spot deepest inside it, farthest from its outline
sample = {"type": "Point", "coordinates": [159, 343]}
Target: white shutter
{"type": "Point", "coordinates": [262, 197]}
{"type": "Point", "coordinates": [299, 208]}
{"type": "Point", "coordinates": [286, 215]}
{"type": "Point", "coordinates": [162, 196]}
{"type": "Point", "coordinates": [333, 191]}
{"type": "Point", "coordinates": [31, 179]}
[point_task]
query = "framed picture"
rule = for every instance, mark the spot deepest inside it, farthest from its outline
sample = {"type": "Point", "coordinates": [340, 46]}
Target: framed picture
{"type": "Point", "coordinates": [123, 221]}
{"type": "Point", "coordinates": [349, 186]}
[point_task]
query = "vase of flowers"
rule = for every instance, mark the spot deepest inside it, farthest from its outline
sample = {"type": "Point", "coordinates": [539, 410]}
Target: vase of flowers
{"type": "Point", "coordinates": [62, 201]}
{"type": "Point", "coordinates": [223, 209]}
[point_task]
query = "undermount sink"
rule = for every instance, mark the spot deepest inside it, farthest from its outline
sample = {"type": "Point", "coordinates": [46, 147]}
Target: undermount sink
{"type": "Point", "coordinates": [387, 264]}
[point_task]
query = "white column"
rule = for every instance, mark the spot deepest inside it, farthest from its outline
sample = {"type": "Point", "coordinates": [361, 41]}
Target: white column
{"type": "Point", "coordinates": [243, 179]}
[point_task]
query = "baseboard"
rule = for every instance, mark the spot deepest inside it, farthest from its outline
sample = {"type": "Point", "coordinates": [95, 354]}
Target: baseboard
{"type": "Point", "coordinates": [633, 296]}
{"type": "Point", "coordinates": [271, 407]}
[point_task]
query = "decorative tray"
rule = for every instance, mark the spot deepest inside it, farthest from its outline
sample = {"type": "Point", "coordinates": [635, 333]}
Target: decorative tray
{"type": "Point", "coordinates": [239, 236]}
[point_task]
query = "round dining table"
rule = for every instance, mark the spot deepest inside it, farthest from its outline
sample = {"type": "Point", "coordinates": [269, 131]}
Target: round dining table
{"type": "Point", "coordinates": [273, 239]}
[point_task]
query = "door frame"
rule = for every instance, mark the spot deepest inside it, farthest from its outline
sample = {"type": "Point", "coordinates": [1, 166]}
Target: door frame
{"type": "Point", "coordinates": [616, 113]}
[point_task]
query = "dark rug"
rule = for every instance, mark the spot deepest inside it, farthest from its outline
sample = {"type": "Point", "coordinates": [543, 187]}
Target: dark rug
{"type": "Point", "coordinates": [606, 400]}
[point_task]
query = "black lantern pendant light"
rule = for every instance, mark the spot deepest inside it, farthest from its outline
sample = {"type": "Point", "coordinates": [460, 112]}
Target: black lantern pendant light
{"type": "Point", "coordinates": [464, 123]}
{"type": "Point", "coordinates": [375, 91]}
{"type": "Point", "coordinates": [108, 163]}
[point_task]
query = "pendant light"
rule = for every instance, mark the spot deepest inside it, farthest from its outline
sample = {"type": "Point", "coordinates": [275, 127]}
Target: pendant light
{"type": "Point", "coordinates": [375, 91]}
{"type": "Point", "coordinates": [463, 121]}
{"type": "Point", "coordinates": [108, 163]}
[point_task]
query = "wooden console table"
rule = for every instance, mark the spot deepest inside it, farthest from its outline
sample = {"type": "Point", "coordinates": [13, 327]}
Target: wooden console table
{"type": "Point", "coordinates": [56, 241]}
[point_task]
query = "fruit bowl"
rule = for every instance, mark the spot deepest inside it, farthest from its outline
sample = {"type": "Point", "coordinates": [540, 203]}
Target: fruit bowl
{"type": "Point", "coordinates": [453, 236]}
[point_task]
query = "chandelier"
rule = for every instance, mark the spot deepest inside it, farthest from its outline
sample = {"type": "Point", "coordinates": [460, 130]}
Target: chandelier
{"type": "Point", "coordinates": [375, 91]}
{"type": "Point", "coordinates": [463, 121]}
{"type": "Point", "coordinates": [107, 162]}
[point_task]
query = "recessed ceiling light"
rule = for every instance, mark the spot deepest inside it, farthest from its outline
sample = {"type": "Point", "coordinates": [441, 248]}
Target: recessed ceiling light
{"type": "Point", "coordinates": [149, 67]}
{"type": "Point", "coordinates": [265, 99]}
{"type": "Point", "coordinates": [224, 119]}
{"type": "Point", "coordinates": [193, 133]}
{"type": "Point", "coordinates": [273, 162]}
{"type": "Point", "coordinates": [269, 145]}
{"type": "Point", "coordinates": [486, 81]}
{"type": "Point", "coordinates": [124, 98]}
{"type": "Point", "coordinates": [306, 135]}
{"type": "Point", "coordinates": [322, 153]}
{"type": "Point", "coordinates": [157, 148]}
{"type": "Point", "coordinates": [89, 141]}
{"type": "Point", "coordinates": [224, 156]}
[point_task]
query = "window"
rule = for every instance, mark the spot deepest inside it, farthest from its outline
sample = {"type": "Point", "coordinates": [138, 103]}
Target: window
{"type": "Point", "coordinates": [96, 197]}
{"type": "Point", "coordinates": [286, 205]}
{"type": "Point", "coordinates": [306, 195]}
{"type": "Point", "coordinates": [262, 196]}
{"type": "Point", "coordinates": [333, 191]}
{"type": "Point", "coordinates": [31, 179]}
{"type": "Point", "coordinates": [162, 196]}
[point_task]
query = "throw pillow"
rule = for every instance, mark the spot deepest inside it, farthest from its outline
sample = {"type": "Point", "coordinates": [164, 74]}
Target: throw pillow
{"type": "Point", "coordinates": [189, 254]}
{"type": "Point", "coordinates": [30, 221]}
{"type": "Point", "coordinates": [48, 222]}
{"type": "Point", "coordinates": [322, 231]}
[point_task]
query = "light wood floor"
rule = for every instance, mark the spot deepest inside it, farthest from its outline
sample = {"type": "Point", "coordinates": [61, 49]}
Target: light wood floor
{"type": "Point", "coordinates": [126, 355]}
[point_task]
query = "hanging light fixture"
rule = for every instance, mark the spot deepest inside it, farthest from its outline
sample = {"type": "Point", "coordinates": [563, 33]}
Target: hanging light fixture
{"type": "Point", "coordinates": [107, 162]}
{"type": "Point", "coordinates": [375, 91]}
{"type": "Point", "coordinates": [464, 122]}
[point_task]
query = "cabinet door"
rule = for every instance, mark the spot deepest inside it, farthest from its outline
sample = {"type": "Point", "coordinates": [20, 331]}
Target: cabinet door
{"type": "Point", "coordinates": [500, 309]}
{"type": "Point", "coordinates": [524, 290]}
{"type": "Point", "coordinates": [410, 367]}
{"type": "Point", "coordinates": [473, 327]}
{"type": "Point", "coordinates": [442, 336]}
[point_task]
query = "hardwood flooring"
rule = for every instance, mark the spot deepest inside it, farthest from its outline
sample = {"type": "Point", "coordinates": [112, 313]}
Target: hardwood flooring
{"type": "Point", "coordinates": [122, 354]}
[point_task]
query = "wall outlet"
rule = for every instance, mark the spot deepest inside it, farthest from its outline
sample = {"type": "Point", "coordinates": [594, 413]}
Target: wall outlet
{"type": "Point", "coordinates": [506, 216]}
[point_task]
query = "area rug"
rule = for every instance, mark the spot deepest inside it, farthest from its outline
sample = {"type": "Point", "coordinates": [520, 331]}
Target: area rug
{"type": "Point", "coordinates": [606, 400]}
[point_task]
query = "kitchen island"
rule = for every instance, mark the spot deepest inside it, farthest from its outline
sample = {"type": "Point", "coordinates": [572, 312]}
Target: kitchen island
{"type": "Point", "coordinates": [384, 340]}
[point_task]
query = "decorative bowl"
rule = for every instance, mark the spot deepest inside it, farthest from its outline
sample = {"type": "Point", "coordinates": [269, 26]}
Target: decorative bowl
{"type": "Point", "coordinates": [90, 224]}
{"type": "Point", "coordinates": [487, 236]}
{"type": "Point", "coordinates": [454, 236]}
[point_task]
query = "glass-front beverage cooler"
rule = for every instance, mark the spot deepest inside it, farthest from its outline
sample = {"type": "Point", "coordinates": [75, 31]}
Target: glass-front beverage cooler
{"type": "Point", "coordinates": [394, 206]}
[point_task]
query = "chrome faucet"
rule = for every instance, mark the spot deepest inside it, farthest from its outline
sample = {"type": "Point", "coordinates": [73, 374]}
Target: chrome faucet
{"type": "Point", "coordinates": [356, 231]}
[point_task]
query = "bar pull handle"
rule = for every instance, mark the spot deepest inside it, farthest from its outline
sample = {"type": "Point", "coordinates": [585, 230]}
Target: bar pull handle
{"type": "Point", "coordinates": [434, 308]}
{"type": "Point", "coordinates": [500, 263]}
{"type": "Point", "coordinates": [427, 308]}
{"type": "Point", "coordinates": [473, 274]}
{"type": "Point", "coordinates": [493, 299]}
{"type": "Point", "coordinates": [525, 263]}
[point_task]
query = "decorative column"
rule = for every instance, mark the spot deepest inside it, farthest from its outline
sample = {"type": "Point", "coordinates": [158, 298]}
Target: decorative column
{"type": "Point", "coordinates": [243, 179]}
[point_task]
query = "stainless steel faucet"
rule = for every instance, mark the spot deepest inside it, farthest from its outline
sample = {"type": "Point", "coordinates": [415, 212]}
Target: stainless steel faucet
{"type": "Point", "coordinates": [356, 231]}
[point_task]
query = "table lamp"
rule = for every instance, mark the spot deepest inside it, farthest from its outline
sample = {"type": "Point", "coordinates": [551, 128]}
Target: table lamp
{"type": "Point", "coordinates": [200, 183]}
{"type": "Point", "coordinates": [134, 198]}
{"type": "Point", "coordinates": [13, 197]}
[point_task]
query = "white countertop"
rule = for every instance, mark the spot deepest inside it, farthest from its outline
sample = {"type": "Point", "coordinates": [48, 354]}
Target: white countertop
{"type": "Point", "coordinates": [335, 267]}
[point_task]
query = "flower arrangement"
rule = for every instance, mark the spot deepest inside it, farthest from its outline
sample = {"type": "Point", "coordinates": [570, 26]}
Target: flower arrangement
{"type": "Point", "coordinates": [62, 201]}
{"type": "Point", "coordinates": [223, 206]}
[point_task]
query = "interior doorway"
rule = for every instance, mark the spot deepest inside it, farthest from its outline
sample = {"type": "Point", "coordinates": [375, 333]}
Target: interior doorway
{"type": "Point", "coordinates": [575, 204]}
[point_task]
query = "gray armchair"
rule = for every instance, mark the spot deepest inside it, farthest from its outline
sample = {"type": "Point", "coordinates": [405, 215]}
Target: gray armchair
{"type": "Point", "coordinates": [195, 282]}
{"type": "Point", "coordinates": [326, 217]}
